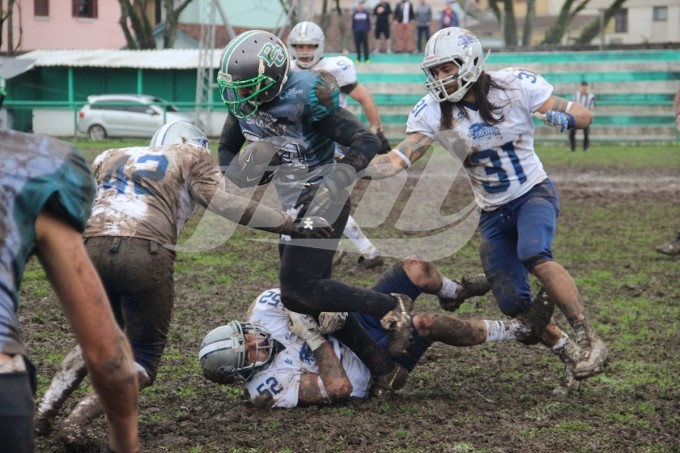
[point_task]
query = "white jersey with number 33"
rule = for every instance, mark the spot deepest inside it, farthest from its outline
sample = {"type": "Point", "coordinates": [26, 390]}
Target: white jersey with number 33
{"type": "Point", "coordinates": [499, 159]}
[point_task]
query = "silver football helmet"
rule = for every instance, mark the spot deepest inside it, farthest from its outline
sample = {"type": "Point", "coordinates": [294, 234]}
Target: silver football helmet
{"type": "Point", "coordinates": [223, 352]}
{"type": "Point", "coordinates": [460, 47]}
{"type": "Point", "coordinates": [306, 33]}
{"type": "Point", "coordinates": [177, 133]}
{"type": "Point", "coordinates": [253, 69]}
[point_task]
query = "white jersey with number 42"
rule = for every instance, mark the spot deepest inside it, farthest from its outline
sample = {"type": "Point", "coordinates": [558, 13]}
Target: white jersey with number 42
{"type": "Point", "coordinates": [499, 159]}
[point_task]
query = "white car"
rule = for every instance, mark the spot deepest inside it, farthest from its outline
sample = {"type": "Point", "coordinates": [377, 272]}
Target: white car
{"type": "Point", "coordinates": [126, 115]}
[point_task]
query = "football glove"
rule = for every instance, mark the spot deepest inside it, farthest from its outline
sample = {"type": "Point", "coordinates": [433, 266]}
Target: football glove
{"type": "Point", "coordinates": [386, 147]}
{"type": "Point", "coordinates": [330, 322]}
{"type": "Point", "coordinates": [559, 120]}
{"type": "Point", "coordinates": [306, 327]}
{"type": "Point", "coordinates": [311, 227]}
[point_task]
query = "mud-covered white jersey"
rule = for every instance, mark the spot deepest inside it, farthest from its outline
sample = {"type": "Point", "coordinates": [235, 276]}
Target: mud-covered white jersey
{"type": "Point", "coordinates": [281, 378]}
{"type": "Point", "coordinates": [150, 192]}
{"type": "Point", "coordinates": [500, 160]}
{"type": "Point", "coordinates": [342, 69]}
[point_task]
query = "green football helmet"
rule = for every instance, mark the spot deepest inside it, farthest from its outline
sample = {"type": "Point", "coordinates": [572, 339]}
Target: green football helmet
{"type": "Point", "coordinates": [253, 69]}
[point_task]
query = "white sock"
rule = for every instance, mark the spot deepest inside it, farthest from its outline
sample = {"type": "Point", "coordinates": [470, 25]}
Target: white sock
{"type": "Point", "coordinates": [356, 236]}
{"type": "Point", "coordinates": [450, 289]}
{"type": "Point", "coordinates": [561, 342]}
{"type": "Point", "coordinates": [502, 330]}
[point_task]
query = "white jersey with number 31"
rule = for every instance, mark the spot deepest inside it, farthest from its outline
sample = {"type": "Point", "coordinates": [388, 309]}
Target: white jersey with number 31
{"type": "Point", "coordinates": [499, 159]}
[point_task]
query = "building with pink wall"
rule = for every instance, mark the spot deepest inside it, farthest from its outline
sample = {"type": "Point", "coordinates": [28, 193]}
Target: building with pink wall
{"type": "Point", "coordinates": [65, 24]}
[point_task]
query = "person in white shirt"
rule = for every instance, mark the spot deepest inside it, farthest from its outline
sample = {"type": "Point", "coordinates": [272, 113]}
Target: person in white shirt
{"type": "Point", "coordinates": [586, 99]}
{"type": "Point", "coordinates": [485, 120]}
{"type": "Point", "coordinates": [286, 359]}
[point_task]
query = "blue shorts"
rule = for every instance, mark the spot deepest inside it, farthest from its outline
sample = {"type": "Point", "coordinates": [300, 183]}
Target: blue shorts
{"type": "Point", "coordinates": [516, 237]}
{"type": "Point", "coordinates": [395, 280]}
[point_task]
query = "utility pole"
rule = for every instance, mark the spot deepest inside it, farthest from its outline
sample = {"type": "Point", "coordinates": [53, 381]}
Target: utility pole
{"type": "Point", "coordinates": [205, 73]}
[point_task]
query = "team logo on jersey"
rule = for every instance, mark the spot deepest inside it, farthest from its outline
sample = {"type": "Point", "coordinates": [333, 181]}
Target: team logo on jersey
{"type": "Point", "coordinates": [306, 355]}
{"type": "Point", "coordinates": [464, 41]}
{"type": "Point", "coordinates": [480, 130]}
{"type": "Point", "coordinates": [273, 54]}
{"type": "Point", "coordinates": [291, 93]}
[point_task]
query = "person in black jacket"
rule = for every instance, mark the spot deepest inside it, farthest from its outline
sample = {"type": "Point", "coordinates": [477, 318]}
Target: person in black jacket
{"type": "Point", "coordinates": [404, 15]}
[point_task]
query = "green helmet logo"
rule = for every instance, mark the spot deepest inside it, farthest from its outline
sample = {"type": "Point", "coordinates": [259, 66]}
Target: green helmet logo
{"type": "Point", "coordinates": [273, 54]}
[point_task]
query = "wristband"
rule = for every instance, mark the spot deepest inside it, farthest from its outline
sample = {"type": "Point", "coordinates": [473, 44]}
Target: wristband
{"type": "Point", "coordinates": [403, 157]}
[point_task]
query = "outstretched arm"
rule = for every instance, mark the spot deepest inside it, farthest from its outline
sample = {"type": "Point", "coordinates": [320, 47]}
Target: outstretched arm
{"type": "Point", "coordinates": [361, 94]}
{"type": "Point", "coordinates": [582, 116]}
{"type": "Point", "coordinates": [400, 158]}
{"type": "Point", "coordinates": [105, 349]}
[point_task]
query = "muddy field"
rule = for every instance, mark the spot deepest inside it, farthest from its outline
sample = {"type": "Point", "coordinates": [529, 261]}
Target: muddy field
{"type": "Point", "coordinates": [491, 398]}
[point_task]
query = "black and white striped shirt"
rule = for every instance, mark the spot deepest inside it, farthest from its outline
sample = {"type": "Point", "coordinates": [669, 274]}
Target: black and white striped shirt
{"type": "Point", "coordinates": [586, 100]}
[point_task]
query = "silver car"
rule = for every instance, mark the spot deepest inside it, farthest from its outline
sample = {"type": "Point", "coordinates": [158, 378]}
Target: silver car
{"type": "Point", "coordinates": [126, 115]}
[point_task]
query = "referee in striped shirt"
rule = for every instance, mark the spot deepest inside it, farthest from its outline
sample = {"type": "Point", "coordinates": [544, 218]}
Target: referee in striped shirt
{"type": "Point", "coordinates": [587, 100]}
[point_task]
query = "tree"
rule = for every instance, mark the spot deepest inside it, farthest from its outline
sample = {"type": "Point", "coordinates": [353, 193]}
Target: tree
{"type": "Point", "coordinates": [6, 18]}
{"type": "Point", "coordinates": [555, 34]}
{"type": "Point", "coordinates": [529, 23]}
{"type": "Point", "coordinates": [133, 15]}
{"type": "Point", "coordinates": [510, 24]}
{"type": "Point", "coordinates": [593, 29]}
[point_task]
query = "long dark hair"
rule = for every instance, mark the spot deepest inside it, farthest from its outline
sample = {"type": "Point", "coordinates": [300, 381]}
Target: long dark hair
{"type": "Point", "coordinates": [489, 112]}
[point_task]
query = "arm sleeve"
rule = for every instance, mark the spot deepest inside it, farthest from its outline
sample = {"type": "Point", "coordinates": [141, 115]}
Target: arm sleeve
{"type": "Point", "coordinates": [345, 129]}
{"type": "Point", "coordinates": [231, 141]}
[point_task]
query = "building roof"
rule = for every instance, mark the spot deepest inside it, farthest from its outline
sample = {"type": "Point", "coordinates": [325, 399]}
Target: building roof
{"type": "Point", "coordinates": [12, 67]}
{"type": "Point", "coordinates": [108, 58]}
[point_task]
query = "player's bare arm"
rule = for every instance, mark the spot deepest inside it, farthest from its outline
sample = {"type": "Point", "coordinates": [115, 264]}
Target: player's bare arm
{"type": "Point", "coordinates": [400, 158]}
{"type": "Point", "coordinates": [582, 116]}
{"type": "Point", "coordinates": [336, 384]}
{"type": "Point", "coordinates": [361, 94]}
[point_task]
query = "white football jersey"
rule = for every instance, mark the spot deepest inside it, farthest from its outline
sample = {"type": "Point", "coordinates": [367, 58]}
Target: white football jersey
{"type": "Point", "coordinates": [499, 159]}
{"type": "Point", "coordinates": [150, 192]}
{"type": "Point", "coordinates": [281, 378]}
{"type": "Point", "coordinates": [342, 69]}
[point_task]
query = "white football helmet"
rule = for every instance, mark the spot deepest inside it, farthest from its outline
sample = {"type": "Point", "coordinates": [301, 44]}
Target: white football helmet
{"type": "Point", "coordinates": [306, 33]}
{"type": "Point", "coordinates": [177, 133]}
{"type": "Point", "coordinates": [223, 352]}
{"type": "Point", "coordinates": [461, 47]}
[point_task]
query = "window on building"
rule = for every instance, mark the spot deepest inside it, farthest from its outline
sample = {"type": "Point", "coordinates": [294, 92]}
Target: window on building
{"type": "Point", "coordinates": [660, 13]}
{"type": "Point", "coordinates": [84, 8]}
{"type": "Point", "coordinates": [41, 8]}
{"type": "Point", "coordinates": [621, 21]}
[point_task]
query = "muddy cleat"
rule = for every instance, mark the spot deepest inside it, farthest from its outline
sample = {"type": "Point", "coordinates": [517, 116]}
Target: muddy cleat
{"type": "Point", "coordinates": [671, 248]}
{"type": "Point", "coordinates": [384, 385]}
{"type": "Point", "coordinates": [594, 353]}
{"type": "Point", "coordinates": [535, 318]}
{"type": "Point", "coordinates": [471, 286]}
{"type": "Point", "coordinates": [370, 263]}
{"type": "Point", "coordinates": [570, 354]}
{"type": "Point", "coordinates": [595, 361]}
{"type": "Point", "coordinates": [85, 411]}
{"type": "Point", "coordinates": [397, 323]}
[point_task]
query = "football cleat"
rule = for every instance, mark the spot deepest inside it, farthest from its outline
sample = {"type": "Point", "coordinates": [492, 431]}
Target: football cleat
{"type": "Point", "coordinates": [397, 323]}
{"type": "Point", "coordinates": [471, 286]}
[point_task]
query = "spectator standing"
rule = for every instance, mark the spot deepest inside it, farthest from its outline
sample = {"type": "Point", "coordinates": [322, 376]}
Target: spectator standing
{"type": "Point", "coordinates": [403, 20]}
{"type": "Point", "coordinates": [361, 25]}
{"type": "Point", "coordinates": [448, 18]}
{"type": "Point", "coordinates": [382, 13]}
{"type": "Point", "coordinates": [587, 100]}
{"type": "Point", "coordinates": [423, 17]}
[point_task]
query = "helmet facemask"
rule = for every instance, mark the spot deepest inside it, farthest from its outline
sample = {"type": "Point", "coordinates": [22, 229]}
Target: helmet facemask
{"type": "Point", "coordinates": [241, 96]}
